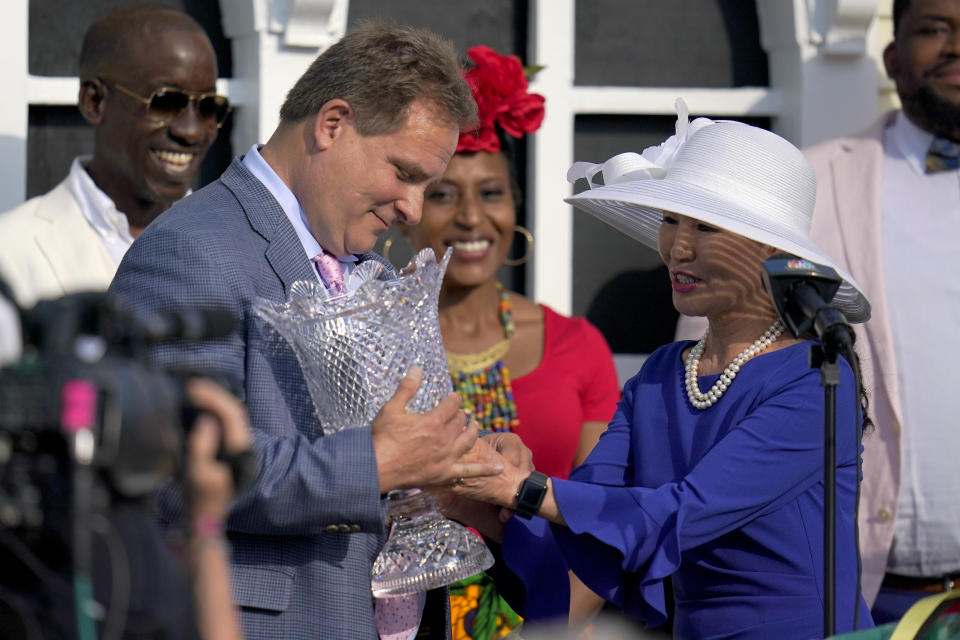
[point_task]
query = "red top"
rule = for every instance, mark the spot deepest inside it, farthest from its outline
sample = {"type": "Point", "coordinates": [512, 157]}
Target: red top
{"type": "Point", "coordinates": [574, 383]}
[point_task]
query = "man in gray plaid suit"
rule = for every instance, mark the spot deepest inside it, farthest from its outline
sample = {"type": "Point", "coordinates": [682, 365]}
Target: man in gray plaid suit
{"type": "Point", "coordinates": [370, 124]}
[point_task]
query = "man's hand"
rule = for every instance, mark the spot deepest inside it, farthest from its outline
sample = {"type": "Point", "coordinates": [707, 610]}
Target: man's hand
{"type": "Point", "coordinates": [500, 489]}
{"type": "Point", "coordinates": [511, 447]}
{"type": "Point", "coordinates": [421, 450]}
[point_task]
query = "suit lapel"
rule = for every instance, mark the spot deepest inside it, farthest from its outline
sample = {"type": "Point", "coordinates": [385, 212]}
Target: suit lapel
{"type": "Point", "coordinates": [71, 247]}
{"type": "Point", "coordinates": [285, 253]}
{"type": "Point", "coordinates": [858, 176]}
{"type": "Point", "coordinates": [859, 206]}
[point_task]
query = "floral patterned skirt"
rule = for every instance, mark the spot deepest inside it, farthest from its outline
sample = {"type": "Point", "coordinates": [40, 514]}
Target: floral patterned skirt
{"type": "Point", "coordinates": [478, 612]}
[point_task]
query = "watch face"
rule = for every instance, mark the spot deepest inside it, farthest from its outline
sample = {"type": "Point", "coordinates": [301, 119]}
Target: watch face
{"type": "Point", "coordinates": [531, 494]}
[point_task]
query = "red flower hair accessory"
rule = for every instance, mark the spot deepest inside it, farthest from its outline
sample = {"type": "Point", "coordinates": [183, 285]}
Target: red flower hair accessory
{"type": "Point", "coordinates": [499, 86]}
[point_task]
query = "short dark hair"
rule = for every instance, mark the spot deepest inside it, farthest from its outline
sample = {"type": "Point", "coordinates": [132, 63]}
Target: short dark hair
{"type": "Point", "coordinates": [107, 40]}
{"type": "Point", "coordinates": [380, 69]}
{"type": "Point", "coordinates": [899, 6]}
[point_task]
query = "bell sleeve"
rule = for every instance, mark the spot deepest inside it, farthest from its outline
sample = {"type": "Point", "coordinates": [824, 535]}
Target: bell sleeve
{"type": "Point", "coordinates": [623, 540]}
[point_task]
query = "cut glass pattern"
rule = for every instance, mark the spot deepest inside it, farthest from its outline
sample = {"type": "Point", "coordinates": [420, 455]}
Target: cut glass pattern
{"type": "Point", "coordinates": [354, 349]}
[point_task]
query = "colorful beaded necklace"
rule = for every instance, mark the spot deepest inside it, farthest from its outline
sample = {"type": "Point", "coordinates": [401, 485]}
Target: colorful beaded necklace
{"type": "Point", "coordinates": [483, 381]}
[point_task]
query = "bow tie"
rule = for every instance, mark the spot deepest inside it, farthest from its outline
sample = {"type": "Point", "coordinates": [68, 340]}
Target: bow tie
{"type": "Point", "coordinates": [943, 155]}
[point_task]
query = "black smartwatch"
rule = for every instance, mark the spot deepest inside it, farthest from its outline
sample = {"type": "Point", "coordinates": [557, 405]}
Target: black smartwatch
{"type": "Point", "coordinates": [530, 495]}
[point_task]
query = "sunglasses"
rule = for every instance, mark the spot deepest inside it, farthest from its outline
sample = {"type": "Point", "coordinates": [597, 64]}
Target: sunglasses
{"type": "Point", "coordinates": [165, 105]}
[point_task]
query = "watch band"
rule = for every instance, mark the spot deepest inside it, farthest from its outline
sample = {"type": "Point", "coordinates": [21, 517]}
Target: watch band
{"type": "Point", "coordinates": [530, 496]}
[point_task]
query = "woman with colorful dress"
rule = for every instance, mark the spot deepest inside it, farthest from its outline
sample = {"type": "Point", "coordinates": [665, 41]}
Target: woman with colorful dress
{"type": "Point", "coordinates": [518, 365]}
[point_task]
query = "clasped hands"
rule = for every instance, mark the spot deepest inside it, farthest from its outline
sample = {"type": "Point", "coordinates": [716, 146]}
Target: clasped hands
{"type": "Point", "coordinates": [441, 449]}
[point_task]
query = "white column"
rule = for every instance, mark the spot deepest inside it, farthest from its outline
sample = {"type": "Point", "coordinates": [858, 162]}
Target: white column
{"type": "Point", "coordinates": [818, 57]}
{"type": "Point", "coordinates": [552, 42]}
{"type": "Point", "coordinates": [15, 102]}
{"type": "Point", "coordinates": [273, 44]}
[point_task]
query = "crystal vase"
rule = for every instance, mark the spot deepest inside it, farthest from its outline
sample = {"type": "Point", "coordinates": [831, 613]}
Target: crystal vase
{"type": "Point", "coordinates": [354, 349]}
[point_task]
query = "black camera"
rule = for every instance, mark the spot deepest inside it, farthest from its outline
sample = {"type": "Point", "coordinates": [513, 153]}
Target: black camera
{"type": "Point", "coordinates": [88, 430]}
{"type": "Point", "coordinates": [82, 394]}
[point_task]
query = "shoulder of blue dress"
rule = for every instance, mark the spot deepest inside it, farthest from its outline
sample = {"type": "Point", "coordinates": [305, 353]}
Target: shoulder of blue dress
{"type": "Point", "coordinates": [794, 362]}
{"type": "Point", "coordinates": [663, 362]}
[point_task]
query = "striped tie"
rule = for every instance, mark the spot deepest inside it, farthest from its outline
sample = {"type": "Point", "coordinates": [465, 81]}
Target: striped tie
{"type": "Point", "coordinates": [943, 155]}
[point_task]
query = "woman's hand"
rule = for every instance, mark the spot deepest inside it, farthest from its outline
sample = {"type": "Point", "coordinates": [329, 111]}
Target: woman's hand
{"type": "Point", "coordinates": [500, 489]}
{"type": "Point", "coordinates": [479, 502]}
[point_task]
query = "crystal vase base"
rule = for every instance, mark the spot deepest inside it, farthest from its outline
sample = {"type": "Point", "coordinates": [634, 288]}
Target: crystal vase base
{"type": "Point", "coordinates": [424, 550]}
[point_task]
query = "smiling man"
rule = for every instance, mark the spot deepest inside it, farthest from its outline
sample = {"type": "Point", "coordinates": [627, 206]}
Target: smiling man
{"type": "Point", "coordinates": [888, 208]}
{"type": "Point", "coordinates": [372, 122]}
{"type": "Point", "coordinates": [147, 86]}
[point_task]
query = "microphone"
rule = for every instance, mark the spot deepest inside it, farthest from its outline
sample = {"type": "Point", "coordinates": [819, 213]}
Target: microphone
{"type": "Point", "coordinates": [801, 291]}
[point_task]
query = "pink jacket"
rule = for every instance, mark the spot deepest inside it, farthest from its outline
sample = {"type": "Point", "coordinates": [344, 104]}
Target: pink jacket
{"type": "Point", "coordinates": [846, 224]}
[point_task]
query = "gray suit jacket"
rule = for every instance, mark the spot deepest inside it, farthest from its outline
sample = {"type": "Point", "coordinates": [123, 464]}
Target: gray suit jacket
{"type": "Point", "coordinates": [305, 536]}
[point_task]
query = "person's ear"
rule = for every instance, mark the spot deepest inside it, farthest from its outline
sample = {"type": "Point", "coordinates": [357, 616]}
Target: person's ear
{"type": "Point", "coordinates": [334, 117]}
{"type": "Point", "coordinates": [890, 60]}
{"type": "Point", "coordinates": [91, 100]}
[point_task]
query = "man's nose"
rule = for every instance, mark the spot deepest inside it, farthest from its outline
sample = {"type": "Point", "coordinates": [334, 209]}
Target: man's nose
{"type": "Point", "coordinates": [410, 207]}
{"type": "Point", "coordinates": [190, 127]}
{"type": "Point", "coordinates": [951, 43]}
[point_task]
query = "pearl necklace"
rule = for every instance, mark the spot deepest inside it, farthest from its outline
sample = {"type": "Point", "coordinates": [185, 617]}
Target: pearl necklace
{"type": "Point", "coordinates": [708, 399]}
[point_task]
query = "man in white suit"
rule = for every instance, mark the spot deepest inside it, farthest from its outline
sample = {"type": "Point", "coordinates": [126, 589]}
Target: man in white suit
{"type": "Point", "coordinates": [147, 86]}
{"type": "Point", "coordinates": [889, 211]}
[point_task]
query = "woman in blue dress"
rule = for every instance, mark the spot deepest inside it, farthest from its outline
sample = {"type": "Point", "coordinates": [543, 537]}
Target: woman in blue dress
{"type": "Point", "coordinates": [711, 472]}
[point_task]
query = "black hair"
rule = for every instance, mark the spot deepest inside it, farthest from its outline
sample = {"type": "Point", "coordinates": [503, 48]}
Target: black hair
{"type": "Point", "coordinates": [899, 6]}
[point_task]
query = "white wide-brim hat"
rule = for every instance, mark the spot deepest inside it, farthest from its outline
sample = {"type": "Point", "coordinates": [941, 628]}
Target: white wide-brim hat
{"type": "Point", "coordinates": [727, 174]}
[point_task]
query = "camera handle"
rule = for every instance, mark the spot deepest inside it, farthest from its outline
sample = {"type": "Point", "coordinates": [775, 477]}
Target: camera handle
{"type": "Point", "coordinates": [78, 419]}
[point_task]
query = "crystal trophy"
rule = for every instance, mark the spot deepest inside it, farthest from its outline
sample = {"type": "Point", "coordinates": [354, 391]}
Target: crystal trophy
{"type": "Point", "coordinates": [354, 349]}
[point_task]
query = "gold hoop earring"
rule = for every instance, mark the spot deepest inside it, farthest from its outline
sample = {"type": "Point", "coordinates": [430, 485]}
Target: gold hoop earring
{"type": "Point", "coordinates": [516, 262]}
{"type": "Point", "coordinates": [385, 252]}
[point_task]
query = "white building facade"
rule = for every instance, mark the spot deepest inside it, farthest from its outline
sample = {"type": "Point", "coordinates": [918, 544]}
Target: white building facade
{"type": "Point", "coordinates": [825, 79]}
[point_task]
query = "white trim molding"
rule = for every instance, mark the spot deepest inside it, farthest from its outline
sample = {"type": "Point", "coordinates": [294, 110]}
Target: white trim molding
{"type": "Point", "coordinates": [839, 27]}
{"type": "Point", "coordinates": [273, 43]}
{"type": "Point", "coordinates": [793, 100]}
{"type": "Point", "coordinates": [14, 75]}
{"type": "Point", "coordinates": [822, 56]}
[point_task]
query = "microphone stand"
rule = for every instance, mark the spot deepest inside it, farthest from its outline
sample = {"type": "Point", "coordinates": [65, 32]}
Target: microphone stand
{"type": "Point", "coordinates": [800, 290]}
{"type": "Point", "coordinates": [836, 336]}
{"type": "Point", "coordinates": [829, 380]}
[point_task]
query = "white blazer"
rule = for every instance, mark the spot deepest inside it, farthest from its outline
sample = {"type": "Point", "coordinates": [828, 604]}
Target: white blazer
{"type": "Point", "coordinates": [48, 249]}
